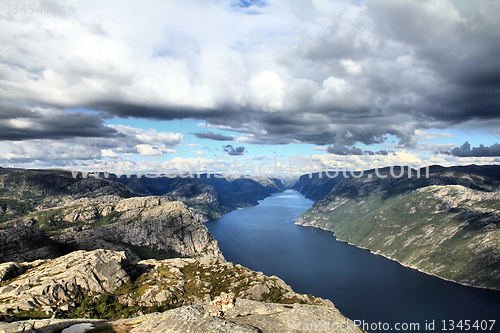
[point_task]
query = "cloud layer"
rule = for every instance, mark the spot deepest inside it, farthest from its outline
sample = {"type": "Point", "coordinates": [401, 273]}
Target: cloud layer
{"type": "Point", "coordinates": [213, 136]}
{"type": "Point", "coordinates": [337, 73]}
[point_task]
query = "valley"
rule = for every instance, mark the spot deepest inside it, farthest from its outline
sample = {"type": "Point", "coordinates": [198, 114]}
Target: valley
{"type": "Point", "coordinates": [106, 249]}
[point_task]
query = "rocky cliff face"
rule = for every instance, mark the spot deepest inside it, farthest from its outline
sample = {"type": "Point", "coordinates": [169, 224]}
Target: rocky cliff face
{"type": "Point", "coordinates": [22, 243]}
{"type": "Point", "coordinates": [316, 185]}
{"type": "Point", "coordinates": [144, 227]}
{"type": "Point", "coordinates": [447, 225]}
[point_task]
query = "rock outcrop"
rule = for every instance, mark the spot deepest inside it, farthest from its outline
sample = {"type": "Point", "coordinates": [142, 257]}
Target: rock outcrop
{"type": "Point", "coordinates": [104, 284]}
{"type": "Point", "coordinates": [146, 226]}
{"type": "Point", "coordinates": [143, 227]}
{"type": "Point", "coordinates": [47, 285]}
{"type": "Point", "coordinates": [245, 316]}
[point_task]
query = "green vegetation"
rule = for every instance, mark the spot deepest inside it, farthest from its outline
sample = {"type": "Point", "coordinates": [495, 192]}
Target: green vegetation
{"type": "Point", "coordinates": [11, 208]}
{"type": "Point", "coordinates": [105, 220]}
{"type": "Point", "coordinates": [23, 315]}
{"type": "Point", "coordinates": [50, 221]}
{"type": "Point", "coordinates": [186, 286]}
{"type": "Point", "coordinates": [451, 231]}
{"type": "Point", "coordinates": [274, 295]}
{"type": "Point", "coordinates": [104, 306]}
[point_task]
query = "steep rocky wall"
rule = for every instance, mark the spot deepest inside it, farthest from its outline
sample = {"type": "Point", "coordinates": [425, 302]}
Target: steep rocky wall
{"type": "Point", "coordinates": [147, 226]}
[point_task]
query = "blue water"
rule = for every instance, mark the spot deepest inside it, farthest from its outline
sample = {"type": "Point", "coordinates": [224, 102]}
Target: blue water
{"type": "Point", "coordinates": [363, 286]}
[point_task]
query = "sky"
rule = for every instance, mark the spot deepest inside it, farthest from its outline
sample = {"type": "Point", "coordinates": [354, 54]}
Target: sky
{"type": "Point", "coordinates": [305, 84]}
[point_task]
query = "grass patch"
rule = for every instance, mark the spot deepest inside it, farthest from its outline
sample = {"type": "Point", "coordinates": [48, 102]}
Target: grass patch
{"type": "Point", "coordinates": [26, 314]}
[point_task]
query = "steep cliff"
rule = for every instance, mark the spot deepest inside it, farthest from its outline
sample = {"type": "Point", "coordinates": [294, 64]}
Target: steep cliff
{"type": "Point", "coordinates": [316, 185]}
{"type": "Point", "coordinates": [22, 243]}
{"type": "Point", "coordinates": [447, 225]}
{"type": "Point", "coordinates": [144, 227]}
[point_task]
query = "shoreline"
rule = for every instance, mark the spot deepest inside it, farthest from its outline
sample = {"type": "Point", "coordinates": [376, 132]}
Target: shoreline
{"type": "Point", "coordinates": [387, 257]}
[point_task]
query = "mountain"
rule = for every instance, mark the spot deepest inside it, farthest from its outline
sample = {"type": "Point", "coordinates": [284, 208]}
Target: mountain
{"type": "Point", "coordinates": [144, 227]}
{"type": "Point", "coordinates": [447, 224]}
{"type": "Point", "coordinates": [48, 213]}
{"type": "Point", "coordinates": [210, 196]}
{"type": "Point", "coordinates": [316, 185]}
{"type": "Point", "coordinates": [206, 293]}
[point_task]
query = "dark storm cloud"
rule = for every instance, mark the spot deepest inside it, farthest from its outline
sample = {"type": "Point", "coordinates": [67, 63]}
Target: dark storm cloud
{"type": "Point", "coordinates": [161, 112]}
{"type": "Point", "coordinates": [343, 150]}
{"type": "Point", "coordinates": [9, 110]}
{"type": "Point", "coordinates": [325, 129]}
{"type": "Point", "coordinates": [353, 73]}
{"type": "Point", "coordinates": [25, 124]}
{"type": "Point", "coordinates": [382, 152]}
{"type": "Point", "coordinates": [466, 151]}
{"type": "Point", "coordinates": [238, 151]}
{"type": "Point", "coordinates": [213, 136]}
{"type": "Point", "coordinates": [457, 48]}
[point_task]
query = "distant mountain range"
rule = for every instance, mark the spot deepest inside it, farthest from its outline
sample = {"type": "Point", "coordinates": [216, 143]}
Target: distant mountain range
{"type": "Point", "coordinates": [447, 224]}
{"type": "Point", "coordinates": [208, 196]}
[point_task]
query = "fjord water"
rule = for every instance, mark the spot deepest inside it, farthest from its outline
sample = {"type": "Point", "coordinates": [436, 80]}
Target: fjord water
{"type": "Point", "coordinates": [362, 285]}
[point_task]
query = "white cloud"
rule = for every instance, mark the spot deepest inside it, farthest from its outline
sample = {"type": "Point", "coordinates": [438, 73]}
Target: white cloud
{"type": "Point", "coordinates": [267, 90]}
{"type": "Point", "coordinates": [320, 72]}
{"type": "Point", "coordinates": [351, 66]}
{"type": "Point", "coordinates": [108, 153]}
{"type": "Point", "coordinates": [147, 150]}
{"type": "Point", "coordinates": [133, 141]}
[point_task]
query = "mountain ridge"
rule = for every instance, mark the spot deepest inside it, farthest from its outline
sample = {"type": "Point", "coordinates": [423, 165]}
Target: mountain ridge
{"type": "Point", "coordinates": [445, 225]}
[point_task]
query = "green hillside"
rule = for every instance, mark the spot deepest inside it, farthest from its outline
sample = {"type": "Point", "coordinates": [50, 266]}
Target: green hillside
{"type": "Point", "coordinates": [447, 225]}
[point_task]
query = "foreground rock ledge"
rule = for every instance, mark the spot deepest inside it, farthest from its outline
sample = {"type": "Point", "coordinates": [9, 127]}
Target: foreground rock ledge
{"type": "Point", "coordinates": [204, 294]}
{"type": "Point", "coordinates": [245, 316]}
